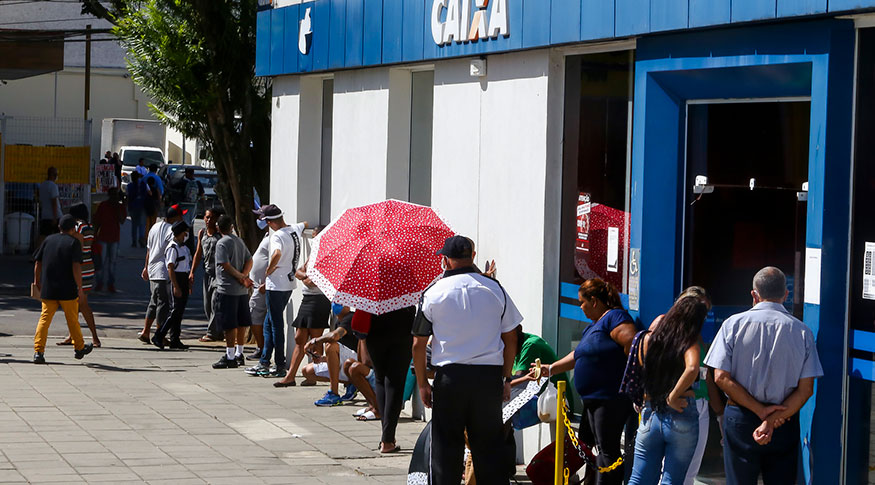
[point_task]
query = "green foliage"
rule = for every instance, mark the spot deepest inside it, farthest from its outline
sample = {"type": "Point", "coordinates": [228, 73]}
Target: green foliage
{"type": "Point", "coordinates": [196, 60]}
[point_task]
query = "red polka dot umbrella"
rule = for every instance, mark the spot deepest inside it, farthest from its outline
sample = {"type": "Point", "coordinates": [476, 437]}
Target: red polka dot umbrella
{"type": "Point", "coordinates": [379, 257]}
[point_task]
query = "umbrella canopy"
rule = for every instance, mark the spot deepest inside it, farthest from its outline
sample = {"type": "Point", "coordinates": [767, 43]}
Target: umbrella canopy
{"type": "Point", "coordinates": [379, 257]}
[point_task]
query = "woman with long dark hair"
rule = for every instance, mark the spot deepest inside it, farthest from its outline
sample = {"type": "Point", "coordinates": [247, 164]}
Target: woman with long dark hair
{"type": "Point", "coordinates": [598, 362]}
{"type": "Point", "coordinates": [669, 429]}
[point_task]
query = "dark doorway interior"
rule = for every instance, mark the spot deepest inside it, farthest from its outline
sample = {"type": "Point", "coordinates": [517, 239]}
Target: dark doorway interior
{"type": "Point", "coordinates": [734, 231]}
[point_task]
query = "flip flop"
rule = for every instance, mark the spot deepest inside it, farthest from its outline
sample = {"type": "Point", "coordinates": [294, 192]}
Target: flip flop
{"type": "Point", "coordinates": [360, 412]}
{"type": "Point", "coordinates": [367, 416]}
{"type": "Point", "coordinates": [396, 449]}
{"type": "Point", "coordinates": [96, 344]}
{"type": "Point", "coordinates": [64, 342]}
{"type": "Point", "coordinates": [207, 338]}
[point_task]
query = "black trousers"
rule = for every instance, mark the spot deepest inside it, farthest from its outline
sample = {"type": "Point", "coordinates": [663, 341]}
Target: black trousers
{"type": "Point", "coordinates": [390, 345]}
{"type": "Point", "coordinates": [744, 459]}
{"type": "Point", "coordinates": [173, 323]}
{"type": "Point", "coordinates": [468, 397]}
{"type": "Point", "coordinates": [604, 421]}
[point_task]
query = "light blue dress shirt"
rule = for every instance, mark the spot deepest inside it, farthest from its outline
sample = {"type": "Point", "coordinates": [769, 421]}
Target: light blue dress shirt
{"type": "Point", "coordinates": [766, 350]}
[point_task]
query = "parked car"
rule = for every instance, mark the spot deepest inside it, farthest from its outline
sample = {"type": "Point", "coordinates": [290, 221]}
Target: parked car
{"type": "Point", "coordinates": [174, 186]}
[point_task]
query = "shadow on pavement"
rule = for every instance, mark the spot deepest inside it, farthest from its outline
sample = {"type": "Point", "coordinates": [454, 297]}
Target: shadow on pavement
{"type": "Point", "coordinates": [112, 368]}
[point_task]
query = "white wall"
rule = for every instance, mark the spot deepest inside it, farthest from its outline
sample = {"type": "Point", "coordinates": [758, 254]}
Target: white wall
{"type": "Point", "coordinates": [360, 131]}
{"type": "Point", "coordinates": [495, 145]}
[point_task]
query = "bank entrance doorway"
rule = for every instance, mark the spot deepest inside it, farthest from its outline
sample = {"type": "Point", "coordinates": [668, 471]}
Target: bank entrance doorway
{"type": "Point", "coordinates": [744, 208]}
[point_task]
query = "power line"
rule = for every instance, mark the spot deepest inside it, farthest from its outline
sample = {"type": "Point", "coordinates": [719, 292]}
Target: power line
{"type": "Point", "coordinates": [88, 19]}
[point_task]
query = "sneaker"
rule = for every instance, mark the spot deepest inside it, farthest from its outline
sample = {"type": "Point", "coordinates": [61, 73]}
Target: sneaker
{"type": "Point", "coordinates": [225, 363]}
{"type": "Point", "coordinates": [350, 394]}
{"type": "Point", "coordinates": [39, 358]}
{"type": "Point", "coordinates": [329, 399]}
{"type": "Point", "coordinates": [157, 342]}
{"type": "Point", "coordinates": [256, 355]}
{"type": "Point", "coordinates": [274, 372]}
{"type": "Point", "coordinates": [257, 370]}
{"type": "Point", "coordinates": [85, 351]}
{"type": "Point", "coordinates": [241, 361]}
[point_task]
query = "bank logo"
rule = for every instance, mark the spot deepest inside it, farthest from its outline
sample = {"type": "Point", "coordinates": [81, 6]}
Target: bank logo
{"type": "Point", "coordinates": [458, 24]}
{"type": "Point", "coordinates": [305, 33]}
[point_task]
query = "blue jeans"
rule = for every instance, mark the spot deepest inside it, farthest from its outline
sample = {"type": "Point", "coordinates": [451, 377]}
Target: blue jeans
{"type": "Point", "coordinates": [745, 460]}
{"type": "Point", "coordinates": [138, 225]}
{"type": "Point", "coordinates": [670, 435]}
{"type": "Point", "coordinates": [274, 328]}
{"type": "Point", "coordinates": [108, 255]}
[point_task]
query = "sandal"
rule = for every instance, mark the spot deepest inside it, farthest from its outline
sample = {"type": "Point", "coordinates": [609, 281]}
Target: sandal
{"type": "Point", "coordinates": [396, 449]}
{"type": "Point", "coordinates": [64, 342]}
{"type": "Point", "coordinates": [207, 338]}
{"type": "Point", "coordinates": [368, 416]}
{"type": "Point", "coordinates": [284, 384]}
{"type": "Point", "coordinates": [308, 383]}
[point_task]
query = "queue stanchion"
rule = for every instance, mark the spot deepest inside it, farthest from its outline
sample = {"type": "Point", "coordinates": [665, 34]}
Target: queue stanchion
{"type": "Point", "coordinates": [560, 471]}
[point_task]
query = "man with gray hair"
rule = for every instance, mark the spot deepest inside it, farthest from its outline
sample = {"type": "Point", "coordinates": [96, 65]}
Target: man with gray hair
{"type": "Point", "coordinates": [766, 361]}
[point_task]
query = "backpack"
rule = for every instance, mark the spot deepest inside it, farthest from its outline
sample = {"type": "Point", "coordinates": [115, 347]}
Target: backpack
{"type": "Point", "coordinates": [633, 378]}
{"type": "Point", "coordinates": [190, 192]}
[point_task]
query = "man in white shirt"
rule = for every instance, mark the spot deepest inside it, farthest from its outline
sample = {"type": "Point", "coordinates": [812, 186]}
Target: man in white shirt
{"type": "Point", "coordinates": [258, 300]}
{"type": "Point", "coordinates": [285, 251]}
{"type": "Point", "coordinates": [155, 271]}
{"type": "Point", "coordinates": [50, 205]}
{"type": "Point", "coordinates": [177, 263]}
{"type": "Point", "coordinates": [472, 321]}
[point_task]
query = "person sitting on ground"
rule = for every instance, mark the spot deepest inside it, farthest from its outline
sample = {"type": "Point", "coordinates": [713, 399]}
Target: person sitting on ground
{"type": "Point", "coordinates": [233, 262]}
{"type": "Point", "coordinates": [361, 374]}
{"type": "Point", "coordinates": [312, 318]}
{"type": "Point", "coordinates": [177, 259]}
{"type": "Point", "coordinates": [85, 234]}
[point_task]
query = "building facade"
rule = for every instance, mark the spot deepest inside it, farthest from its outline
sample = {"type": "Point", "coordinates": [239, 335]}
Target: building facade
{"type": "Point", "coordinates": [656, 144]}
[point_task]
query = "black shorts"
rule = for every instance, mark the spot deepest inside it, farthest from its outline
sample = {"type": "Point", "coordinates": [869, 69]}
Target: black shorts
{"type": "Point", "coordinates": [47, 227]}
{"type": "Point", "coordinates": [231, 311]}
{"type": "Point", "coordinates": [314, 312]}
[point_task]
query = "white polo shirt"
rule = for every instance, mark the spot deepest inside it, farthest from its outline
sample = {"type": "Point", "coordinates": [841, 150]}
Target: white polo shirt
{"type": "Point", "coordinates": [468, 313]}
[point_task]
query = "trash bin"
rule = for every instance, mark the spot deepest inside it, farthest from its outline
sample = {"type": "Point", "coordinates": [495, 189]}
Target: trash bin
{"type": "Point", "coordinates": [18, 230]}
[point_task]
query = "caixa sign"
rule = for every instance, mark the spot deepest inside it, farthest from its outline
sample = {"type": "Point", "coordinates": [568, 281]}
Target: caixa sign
{"type": "Point", "coordinates": [487, 21]}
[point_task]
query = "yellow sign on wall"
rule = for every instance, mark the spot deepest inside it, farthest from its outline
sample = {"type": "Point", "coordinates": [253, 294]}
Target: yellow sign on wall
{"type": "Point", "coordinates": [29, 164]}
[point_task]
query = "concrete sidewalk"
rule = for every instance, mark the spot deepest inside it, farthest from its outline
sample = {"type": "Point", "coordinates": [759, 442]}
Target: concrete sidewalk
{"type": "Point", "coordinates": [131, 413]}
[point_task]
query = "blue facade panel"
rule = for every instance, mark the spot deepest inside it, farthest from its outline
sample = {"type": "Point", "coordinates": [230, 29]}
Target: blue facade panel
{"type": "Point", "coordinates": [633, 18]}
{"type": "Point", "coordinates": [372, 35]}
{"type": "Point", "coordinates": [352, 33]}
{"type": "Point", "coordinates": [845, 5]}
{"type": "Point", "coordinates": [413, 33]}
{"type": "Point", "coordinates": [669, 14]}
{"type": "Point", "coordinates": [536, 23]}
{"type": "Point", "coordinates": [709, 12]}
{"type": "Point", "coordinates": [746, 10]}
{"type": "Point", "coordinates": [790, 8]}
{"type": "Point", "coordinates": [320, 17]}
{"type": "Point", "coordinates": [393, 22]}
{"type": "Point", "coordinates": [596, 19]}
{"type": "Point", "coordinates": [565, 21]}
{"type": "Point", "coordinates": [277, 42]}
{"type": "Point", "coordinates": [355, 26]}
{"type": "Point", "coordinates": [262, 44]}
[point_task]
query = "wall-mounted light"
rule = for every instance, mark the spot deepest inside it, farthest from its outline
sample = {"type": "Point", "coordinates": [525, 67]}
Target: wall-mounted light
{"type": "Point", "coordinates": [478, 67]}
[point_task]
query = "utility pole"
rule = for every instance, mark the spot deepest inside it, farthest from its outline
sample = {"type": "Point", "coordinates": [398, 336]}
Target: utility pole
{"type": "Point", "coordinates": [87, 69]}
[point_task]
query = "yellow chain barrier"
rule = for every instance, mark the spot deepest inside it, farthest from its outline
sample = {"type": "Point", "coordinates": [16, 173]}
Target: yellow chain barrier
{"type": "Point", "coordinates": [562, 416]}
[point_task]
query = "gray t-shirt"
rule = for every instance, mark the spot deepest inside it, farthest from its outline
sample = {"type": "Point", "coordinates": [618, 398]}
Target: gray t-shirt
{"type": "Point", "coordinates": [230, 249]}
{"type": "Point", "coordinates": [208, 243]}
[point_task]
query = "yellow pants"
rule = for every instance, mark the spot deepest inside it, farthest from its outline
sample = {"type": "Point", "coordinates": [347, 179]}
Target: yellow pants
{"type": "Point", "coordinates": [71, 313]}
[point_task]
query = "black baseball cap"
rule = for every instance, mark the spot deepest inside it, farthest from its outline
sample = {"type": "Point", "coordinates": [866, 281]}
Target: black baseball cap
{"type": "Point", "coordinates": [179, 227]}
{"type": "Point", "coordinates": [457, 247]}
{"type": "Point", "coordinates": [67, 222]}
{"type": "Point", "coordinates": [267, 212]}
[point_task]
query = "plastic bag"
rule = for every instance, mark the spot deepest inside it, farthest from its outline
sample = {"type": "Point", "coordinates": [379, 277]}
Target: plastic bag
{"type": "Point", "coordinates": [547, 404]}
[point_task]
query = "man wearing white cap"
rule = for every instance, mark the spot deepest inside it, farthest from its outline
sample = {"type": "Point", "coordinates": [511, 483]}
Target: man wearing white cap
{"type": "Point", "coordinates": [285, 250]}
